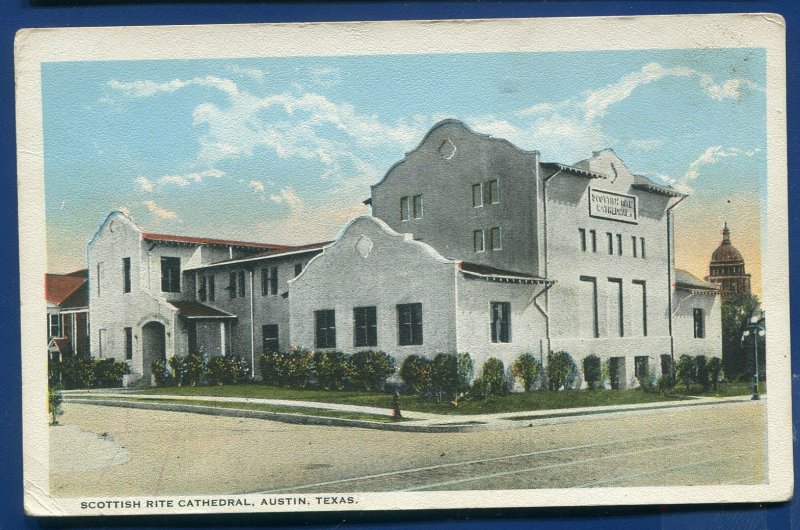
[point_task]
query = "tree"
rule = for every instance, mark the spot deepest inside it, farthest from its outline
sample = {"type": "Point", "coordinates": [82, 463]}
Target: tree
{"type": "Point", "coordinates": [526, 369]}
{"type": "Point", "coordinates": [736, 310]}
{"type": "Point", "coordinates": [561, 370]}
{"type": "Point", "coordinates": [685, 370]}
{"type": "Point", "coordinates": [592, 370]}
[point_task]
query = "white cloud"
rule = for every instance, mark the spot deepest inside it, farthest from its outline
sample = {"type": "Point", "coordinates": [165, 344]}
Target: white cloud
{"type": "Point", "coordinates": [145, 184]}
{"type": "Point", "coordinates": [712, 155]}
{"type": "Point", "coordinates": [145, 88]}
{"type": "Point", "coordinates": [160, 212]}
{"type": "Point", "coordinates": [257, 186]}
{"type": "Point", "coordinates": [326, 76]}
{"type": "Point", "coordinates": [728, 89]}
{"type": "Point", "coordinates": [189, 178]}
{"type": "Point", "coordinates": [255, 74]}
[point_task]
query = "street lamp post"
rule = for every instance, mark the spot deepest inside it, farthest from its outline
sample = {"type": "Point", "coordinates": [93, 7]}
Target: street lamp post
{"type": "Point", "coordinates": [756, 329]}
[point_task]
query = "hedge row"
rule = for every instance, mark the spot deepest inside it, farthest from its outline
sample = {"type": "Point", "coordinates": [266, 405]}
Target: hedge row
{"type": "Point", "coordinates": [84, 371]}
{"type": "Point", "coordinates": [194, 369]}
{"type": "Point", "coordinates": [366, 370]}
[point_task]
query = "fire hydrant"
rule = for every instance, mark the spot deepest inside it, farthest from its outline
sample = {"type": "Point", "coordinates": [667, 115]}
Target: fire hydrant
{"type": "Point", "coordinates": [396, 407]}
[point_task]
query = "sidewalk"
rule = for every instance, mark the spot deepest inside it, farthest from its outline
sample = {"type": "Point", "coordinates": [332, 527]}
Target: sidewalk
{"type": "Point", "coordinates": [412, 421]}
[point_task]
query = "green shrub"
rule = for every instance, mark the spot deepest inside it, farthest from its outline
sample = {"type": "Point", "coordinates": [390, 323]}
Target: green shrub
{"type": "Point", "coordinates": [714, 371]}
{"type": "Point", "coordinates": [701, 372]}
{"type": "Point", "coordinates": [77, 371]}
{"type": "Point", "coordinates": [297, 368]}
{"type": "Point", "coordinates": [493, 379]}
{"type": "Point", "coordinates": [592, 371]}
{"type": "Point", "coordinates": [215, 370]}
{"type": "Point", "coordinates": [54, 401]}
{"type": "Point", "coordinates": [684, 370]}
{"type": "Point", "coordinates": [226, 370]}
{"type": "Point", "coordinates": [417, 372]}
{"type": "Point", "coordinates": [160, 370]}
{"type": "Point", "coordinates": [561, 370]}
{"type": "Point", "coordinates": [527, 370]}
{"type": "Point", "coordinates": [271, 365]}
{"type": "Point", "coordinates": [107, 373]}
{"type": "Point", "coordinates": [371, 369]}
{"type": "Point", "coordinates": [444, 376]}
{"type": "Point", "coordinates": [178, 365]}
{"type": "Point", "coordinates": [331, 369]}
{"type": "Point", "coordinates": [648, 383]}
{"type": "Point", "coordinates": [195, 369]}
{"type": "Point", "coordinates": [666, 382]}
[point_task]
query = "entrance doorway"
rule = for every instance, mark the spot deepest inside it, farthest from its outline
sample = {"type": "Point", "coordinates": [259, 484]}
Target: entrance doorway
{"type": "Point", "coordinates": [153, 346]}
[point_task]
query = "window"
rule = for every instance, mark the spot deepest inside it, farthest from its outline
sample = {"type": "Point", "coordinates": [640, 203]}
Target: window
{"type": "Point", "coordinates": [211, 289]}
{"type": "Point", "coordinates": [494, 191]}
{"type": "Point", "coordinates": [298, 268]}
{"type": "Point", "coordinates": [128, 343]}
{"type": "Point", "coordinates": [497, 238]}
{"type": "Point", "coordinates": [170, 274]}
{"type": "Point", "coordinates": [619, 244]}
{"type": "Point", "coordinates": [126, 275]}
{"type": "Point", "coordinates": [405, 211]}
{"type": "Point", "coordinates": [641, 246]}
{"type": "Point", "coordinates": [616, 322]}
{"type": "Point", "coordinates": [642, 293]}
{"type": "Point", "coordinates": [409, 324]}
{"type": "Point", "coordinates": [641, 366]}
{"type": "Point", "coordinates": [699, 323]}
{"type": "Point", "coordinates": [232, 285]}
{"type": "Point", "coordinates": [479, 240]}
{"type": "Point", "coordinates": [269, 280]}
{"type": "Point", "coordinates": [55, 325]}
{"type": "Point", "coordinates": [202, 289]}
{"type": "Point", "coordinates": [610, 238]}
{"type": "Point", "coordinates": [417, 205]}
{"type": "Point", "coordinates": [241, 284]}
{"type": "Point", "coordinates": [633, 246]}
{"type": "Point", "coordinates": [582, 233]}
{"type": "Point", "coordinates": [101, 343]}
{"type": "Point", "coordinates": [269, 338]}
{"type": "Point", "coordinates": [595, 327]}
{"type": "Point", "coordinates": [99, 277]}
{"type": "Point", "coordinates": [501, 322]}
{"type": "Point", "coordinates": [325, 328]}
{"type": "Point", "coordinates": [365, 320]}
{"type": "Point", "coordinates": [593, 233]}
{"type": "Point", "coordinates": [477, 195]}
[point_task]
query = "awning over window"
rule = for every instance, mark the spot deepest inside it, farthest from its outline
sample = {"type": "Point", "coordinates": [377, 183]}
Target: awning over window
{"type": "Point", "coordinates": [197, 311]}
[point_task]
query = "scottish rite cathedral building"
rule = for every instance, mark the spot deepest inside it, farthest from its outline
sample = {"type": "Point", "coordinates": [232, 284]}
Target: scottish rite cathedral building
{"type": "Point", "coordinates": [474, 245]}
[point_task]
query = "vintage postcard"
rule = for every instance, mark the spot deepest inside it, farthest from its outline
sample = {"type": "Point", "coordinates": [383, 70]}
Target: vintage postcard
{"type": "Point", "coordinates": [404, 265]}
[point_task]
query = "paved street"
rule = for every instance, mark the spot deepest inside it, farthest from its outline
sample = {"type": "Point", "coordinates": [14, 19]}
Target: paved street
{"type": "Point", "coordinates": [117, 451]}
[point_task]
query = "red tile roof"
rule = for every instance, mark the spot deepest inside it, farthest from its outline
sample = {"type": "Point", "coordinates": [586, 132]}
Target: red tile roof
{"type": "Point", "coordinates": [59, 287]}
{"type": "Point", "coordinates": [209, 241]}
{"type": "Point", "coordinates": [196, 310]}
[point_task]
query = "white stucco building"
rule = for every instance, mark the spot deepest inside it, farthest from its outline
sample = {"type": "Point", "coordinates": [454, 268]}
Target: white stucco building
{"type": "Point", "coordinates": [474, 246]}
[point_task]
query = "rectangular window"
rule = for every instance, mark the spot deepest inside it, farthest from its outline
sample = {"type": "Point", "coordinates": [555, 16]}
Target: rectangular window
{"type": "Point", "coordinates": [170, 274]}
{"type": "Point", "coordinates": [494, 191]}
{"type": "Point", "coordinates": [477, 195]}
{"type": "Point", "coordinates": [55, 325]}
{"type": "Point", "coordinates": [642, 294]}
{"type": "Point", "coordinates": [641, 366]}
{"type": "Point", "coordinates": [232, 285]}
{"type": "Point", "coordinates": [101, 343]}
{"type": "Point", "coordinates": [633, 246]}
{"type": "Point", "coordinates": [610, 238]}
{"type": "Point", "coordinates": [409, 324]}
{"type": "Point", "coordinates": [269, 338]}
{"type": "Point", "coordinates": [325, 328]}
{"type": "Point", "coordinates": [99, 277]}
{"type": "Point", "coordinates": [202, 289]}
{"type": "Point", "coordinates": [417, 205]}
{"type": "Point", "coordinates": [497, 238]}
{"type": "Point", "coordinates": [242, 288]}
{"type": "Point", "coordinates": [269, 281]}
{"type": "Point", "coordinates": [128, 343]}
{"type": "Point", "coordinates": [582, 233]}
{"type": "Point", "coordinates": [405, 209]}
{"type": "Point", "coordinates": [619, 244]}
{"type": "Point", "coordinates": [641, 247]}
{"type": "Point", "coordinates": [616, 327]}
{"type": "Point", "coordinates": [501, 322]}
{"type": "Point", "coordinates": [365, 320]}
{"type": "Point", "coordinates": [298, 268]}
{"type": "Point", "coordinates": [699, 323]}
{"type": "Point", "coordinates": [479, 240]}
{"type": "Point", "coordinates": [126, 275]}
{"type": "Point", "coordinates": [211, 289]}
{"type": "Point", "coordinates": [593, 233]}
{"type": "Point", "coordinates": [594, 325]}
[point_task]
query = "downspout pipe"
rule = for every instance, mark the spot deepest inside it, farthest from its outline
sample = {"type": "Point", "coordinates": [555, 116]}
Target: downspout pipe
{"type": "Point", "coordinates": [546, 258]}
{"type": "Point", "coordinates": [669, 275]}
{"type": "Point", "coordinates": [252, 328]}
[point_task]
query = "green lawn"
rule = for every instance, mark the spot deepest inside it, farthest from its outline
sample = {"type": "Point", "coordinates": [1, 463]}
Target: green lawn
{"type": "Point", "coordinates": [511, 403]}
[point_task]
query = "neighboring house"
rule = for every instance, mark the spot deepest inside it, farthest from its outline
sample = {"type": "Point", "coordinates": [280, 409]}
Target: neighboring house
{"type": "Point", "coordinates": [140, 304]}
{"type": "Point", "coordinates": [697, 316]}
{"type": "Point", "coordinates": [67, 312]}
{"type": "Point", "coordinates": [474, 246]}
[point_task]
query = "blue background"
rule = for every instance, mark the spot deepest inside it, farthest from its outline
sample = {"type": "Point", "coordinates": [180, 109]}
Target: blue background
{"type": "Point", "coordinates": [16, 14]}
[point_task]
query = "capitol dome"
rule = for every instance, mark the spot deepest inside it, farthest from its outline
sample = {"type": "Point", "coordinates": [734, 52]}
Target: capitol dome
{"type": "Point", "coordinates": [727, 268]}
{"type": "Point", "coordinates": [726, 251]}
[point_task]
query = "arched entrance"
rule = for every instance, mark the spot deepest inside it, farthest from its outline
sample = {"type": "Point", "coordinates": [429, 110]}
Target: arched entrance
{"type": "Point", "coordinates": [153, 345]}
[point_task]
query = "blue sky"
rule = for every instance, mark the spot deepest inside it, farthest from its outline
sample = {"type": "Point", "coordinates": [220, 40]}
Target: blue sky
{"type": "Point", "coordinates": [284, 149]}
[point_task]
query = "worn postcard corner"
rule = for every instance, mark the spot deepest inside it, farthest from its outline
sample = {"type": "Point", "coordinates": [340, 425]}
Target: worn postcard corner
{"type": "Point", "coordinates": [413, 266]}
